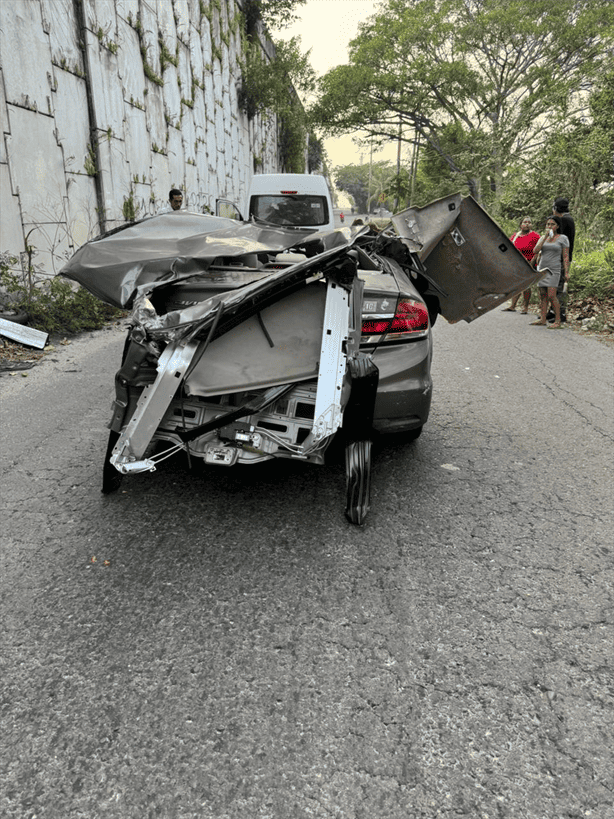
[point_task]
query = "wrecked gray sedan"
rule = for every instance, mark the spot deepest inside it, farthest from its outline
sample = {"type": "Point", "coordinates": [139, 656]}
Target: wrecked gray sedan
{"type": "Point", "coordinates": [250, 342]}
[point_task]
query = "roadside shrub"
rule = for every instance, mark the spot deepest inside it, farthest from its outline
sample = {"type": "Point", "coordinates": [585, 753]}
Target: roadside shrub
{"type": "Point", "coordinates": [592, 273]}
{"type": "Point", "coordinates": [53, 305]}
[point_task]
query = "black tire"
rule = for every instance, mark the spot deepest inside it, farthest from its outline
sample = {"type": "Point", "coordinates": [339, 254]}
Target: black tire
{"type": "Point", "coordinates": [111, 478]}
{"type": "Point", "coordinates": [358, 480]}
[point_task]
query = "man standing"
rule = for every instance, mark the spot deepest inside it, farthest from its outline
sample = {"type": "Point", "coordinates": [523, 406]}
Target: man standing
{"type": "Point", "coordinates": [568, 228]}
{"type": "Point", "coordinates": [175, 200]}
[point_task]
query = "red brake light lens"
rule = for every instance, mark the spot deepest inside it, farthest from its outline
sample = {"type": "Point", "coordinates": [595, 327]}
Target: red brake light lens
{"type": "Point", "coordinates": [410, 319]}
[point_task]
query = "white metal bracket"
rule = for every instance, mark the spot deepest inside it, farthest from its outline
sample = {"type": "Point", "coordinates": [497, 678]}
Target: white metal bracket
{"type": "Point", "coordinates": [150, 409]}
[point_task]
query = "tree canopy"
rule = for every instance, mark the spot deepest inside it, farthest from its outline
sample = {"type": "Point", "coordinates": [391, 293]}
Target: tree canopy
{"type": "Point", "coordinates": [482, 82]}
{"type": "Point", "coordinates": [368, 185]}
{"type": "Point", "coordinates": [273, 13]}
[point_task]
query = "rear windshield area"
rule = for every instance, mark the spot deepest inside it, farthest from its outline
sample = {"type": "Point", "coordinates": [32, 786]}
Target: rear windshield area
{"type": "Point", "coordinates": [290, 209]}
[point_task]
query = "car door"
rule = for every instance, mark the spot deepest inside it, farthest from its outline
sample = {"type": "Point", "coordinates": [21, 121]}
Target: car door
{"type": "Point", "coordinates": [227, 209]}
{"type": "Point", "coordinates": [466, 254]}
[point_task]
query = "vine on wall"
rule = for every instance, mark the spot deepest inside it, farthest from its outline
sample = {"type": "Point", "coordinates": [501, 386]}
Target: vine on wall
{"type": "Point", "coordinates": [269, 87]}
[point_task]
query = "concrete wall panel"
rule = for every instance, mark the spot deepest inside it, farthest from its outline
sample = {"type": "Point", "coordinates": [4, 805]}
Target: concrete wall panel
{"type": "Point", "coordinates": [63, 35]}
{"type": "Point", "coordinates": [184, 71]}
{"type": "Point", "coordinates": [156, 121]}
{"type": "Point", "coordinates": [11, 231]}
{"type": "Point", "coordinates": [27, 65]}
{"type": "Point", "coordinates": [141, 195]}
{"type": "Point", "coordinates": [149, 35]}
{"type": "Point", "coordinates": [127, 9]}
{"type": "Point", "coordinates": [4, 121]}
{"type": "Point", "coordinates": [115, 179]}
{"type": "Point", "coordinates": [166, 24]}
{"type": "Point", "coordinates": [106, 87]}
{"type": "Point", "coordinates": [73, 132]}
{"type": "Point", "coordinates": [200, 114]}
{"type": "Point", "coordinates": [130, 64]}
{"type": "Point", "coordinates": [192, 196]}
{"type": "Point", "coordinates": [51, 243]}
{"type": "Point", "coordinates": [176, 159]}
{"type": "Point", "coordinates": [205, 43]}
{"type": "Point", "coordinates": [101, 18]}
{"type": "Point", "coordinates": [182, 16]}
{"type": "Point", "coordinates": [138, 149]}
{"type": "Point", "coordinates": [172, 96]}
{"type": "Point", "coordinates": [37, 165]}
{"type": "Point", "coordinates": [143, 130]}
{"type": "Point", "coordinates": [160, 179]}
{"type": "Point", "coordinates": [82, 217]}
{"type": "Point", "coordinates": [188, 132]}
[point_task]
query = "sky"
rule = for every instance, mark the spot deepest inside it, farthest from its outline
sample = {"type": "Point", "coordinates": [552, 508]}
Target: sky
{"type": "Point", "coordinates": [326, 27]}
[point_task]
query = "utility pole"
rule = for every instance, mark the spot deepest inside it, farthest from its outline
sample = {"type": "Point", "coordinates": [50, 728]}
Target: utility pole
{"type": "Point", "coordinates": [396, 198]}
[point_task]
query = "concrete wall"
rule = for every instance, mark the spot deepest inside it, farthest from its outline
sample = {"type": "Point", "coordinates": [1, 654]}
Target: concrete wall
{"type": "Point", "coordinates": [107, 104]}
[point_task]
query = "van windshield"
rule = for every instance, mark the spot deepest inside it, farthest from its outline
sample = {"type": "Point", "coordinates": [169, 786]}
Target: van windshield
{"type": "Point", "coordinates": [296, 209]}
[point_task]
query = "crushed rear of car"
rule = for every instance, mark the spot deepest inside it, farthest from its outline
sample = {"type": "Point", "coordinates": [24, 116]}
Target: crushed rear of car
{"type": "Point", "coordinates": [250, 342]}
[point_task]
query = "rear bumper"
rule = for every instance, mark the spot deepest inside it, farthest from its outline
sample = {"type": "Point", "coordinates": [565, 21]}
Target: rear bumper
{"type": "Point", "coordinates": [405, 386]}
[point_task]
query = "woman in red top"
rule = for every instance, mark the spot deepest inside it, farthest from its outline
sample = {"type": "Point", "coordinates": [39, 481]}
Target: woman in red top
{"type": "Point", "coordinates": [525, 240]}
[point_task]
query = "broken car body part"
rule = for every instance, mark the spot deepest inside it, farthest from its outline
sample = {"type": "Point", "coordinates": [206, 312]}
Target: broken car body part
{"type": "Point", "coordinates": [250, 342]}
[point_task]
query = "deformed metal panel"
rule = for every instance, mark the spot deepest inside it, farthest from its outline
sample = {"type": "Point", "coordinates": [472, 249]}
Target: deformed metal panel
{"type": "Point", "coordinates": [477, 265]}
{"type": "Point", "coordinates": [22, 334]}
{"type": "Point", "coordinates": [422, 228]}
{"type": "Point", "coordinates": [167, 247]}
{"type": "Point", "coordinates": [281, 346]}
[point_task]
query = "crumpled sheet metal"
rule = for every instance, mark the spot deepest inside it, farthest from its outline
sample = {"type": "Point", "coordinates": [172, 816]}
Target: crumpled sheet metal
{"type": "Point", "coordinates": [422, 228]}
{"type": "Point", "coordinates": [197, 317]}
{"type": "Point", "coordinates": [174, 246]}
{"type": "Point", "coordinates": [477, 265]}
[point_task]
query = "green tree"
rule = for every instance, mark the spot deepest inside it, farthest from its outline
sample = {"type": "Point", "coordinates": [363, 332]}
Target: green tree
{"type": "Point", "coordinates": [271, 86]}
{"type": "Point", "coordinates": [496, 75]}
{"type": "Point", "coordinates": [366, 184]}
{"type": "Point", "coordinates": [273, 13]}
{"type": "Point", "coordinates": [576, 163]}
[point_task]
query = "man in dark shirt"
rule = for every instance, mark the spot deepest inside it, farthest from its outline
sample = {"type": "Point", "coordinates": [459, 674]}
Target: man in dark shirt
{"type": "Point", "coordinates": [568, 228]}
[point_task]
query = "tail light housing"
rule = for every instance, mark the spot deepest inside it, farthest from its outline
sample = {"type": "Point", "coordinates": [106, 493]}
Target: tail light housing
{"type": "Point", "coordinates": [410, 320]}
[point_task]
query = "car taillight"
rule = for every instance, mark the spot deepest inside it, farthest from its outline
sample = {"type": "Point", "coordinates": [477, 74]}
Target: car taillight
{"type": "Point", "coordinates": [410, 319]}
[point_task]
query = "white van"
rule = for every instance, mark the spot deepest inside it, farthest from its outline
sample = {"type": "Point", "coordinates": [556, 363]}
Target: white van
{"type": "Point", "coordinates": [297, 199]}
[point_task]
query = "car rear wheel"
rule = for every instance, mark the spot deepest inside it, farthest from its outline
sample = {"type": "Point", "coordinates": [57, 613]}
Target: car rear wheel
{"type": "Point", "coordinates": [358, 480]}
{"type": "Point", "coordinates": [111, 478]}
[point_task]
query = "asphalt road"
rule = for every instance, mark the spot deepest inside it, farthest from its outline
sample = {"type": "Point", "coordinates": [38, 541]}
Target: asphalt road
{"type": "Point", "coordinates": [228, 647]}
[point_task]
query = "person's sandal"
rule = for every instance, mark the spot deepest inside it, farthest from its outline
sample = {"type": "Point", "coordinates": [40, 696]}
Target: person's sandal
{"type": "Point", "coordinates": [508, 309]}
{"type": "Point", "coordinates": [538, 324]}
{"type": "Point", "coordinates": [554, 326]}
